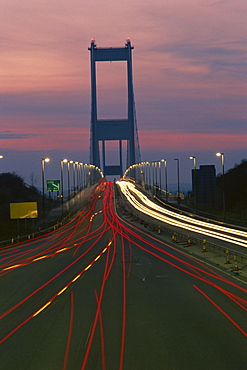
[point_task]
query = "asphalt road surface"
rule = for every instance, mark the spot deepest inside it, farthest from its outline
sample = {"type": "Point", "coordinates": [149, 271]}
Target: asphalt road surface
{"type": "Point", "coordinates": [100, 294]}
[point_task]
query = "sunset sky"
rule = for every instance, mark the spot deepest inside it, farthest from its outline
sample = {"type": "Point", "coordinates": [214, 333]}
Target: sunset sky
{"type": "Point", "coordinates": [190, 75]}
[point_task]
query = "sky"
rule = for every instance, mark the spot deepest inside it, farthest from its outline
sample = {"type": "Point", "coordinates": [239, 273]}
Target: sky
{"type": "Point", "coordinates": [189, 75]}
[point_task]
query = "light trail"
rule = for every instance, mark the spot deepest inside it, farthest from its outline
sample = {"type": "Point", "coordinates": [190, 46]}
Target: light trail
{"type": "Point", "coordinates": [121, 360]}
{"type": "Point", "coordinates": [102, 339]}
{"type": "Point", "coordinates": [55, 277]}
{"type": "Point", "coordinates": [97, 236]}
{"type": "Point", "coordinates": [72, 308]}
{"type": "Point", "coordinates": [159, 213]}
{"type": "Point", "coordinates": [91, 255]}
{"type": "Point", "coordinates": [97, 314]}
{"type": "Point", "coordinates": [56, 247]}
{"type": "Point", "coordinates": [222, 311]}
{"type": "Point", "coordinates": [49, 302]}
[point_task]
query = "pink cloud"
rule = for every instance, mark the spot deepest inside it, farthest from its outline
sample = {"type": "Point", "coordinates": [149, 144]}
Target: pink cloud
{"type": "Point", "coordinates": [188, 51]}
{"type": "Point", "coordinates": [40, 138]}
{"type": "Point", "coordinates": [172, 141]}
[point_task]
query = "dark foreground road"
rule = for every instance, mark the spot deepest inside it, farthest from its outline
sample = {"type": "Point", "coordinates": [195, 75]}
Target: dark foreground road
{"type": "Point", "coordinates": [98, 294]}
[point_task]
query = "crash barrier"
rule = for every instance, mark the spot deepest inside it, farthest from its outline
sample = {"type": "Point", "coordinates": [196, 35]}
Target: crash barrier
{"type": "Point", "coordinates": [53, 225]}
{"type": "Point", "coordinates": [185, 240]}
{"type": "Point", "coordinates": [19, 239]}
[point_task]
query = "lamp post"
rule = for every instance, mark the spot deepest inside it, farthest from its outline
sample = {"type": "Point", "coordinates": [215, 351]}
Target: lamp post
{"type": "Point", "coordinates": [160, 193]}
{"type": "Point", "coordinates": [68, 170]}
{"type": "Point", "coordinates": [73, 169]}
{"type": "Point", "coordinates": [153, 170]}
{"type": "Point", "coordinates": [43, 161]}
{"type": "Point", "coordinates": [1, 156]}
{"type": "Point", "coordinates": [62, 185]}
{"type": "Point", "coordinates": [80, 175]}
{"type": "Point", "coordinates": [156, 177]}
{"type": "Point", "coordinates": [222, 155]}
{"type": "Point", "coordinates": [77, 175]}
{"type": "Point", "coordinates": [178, 197]}
{"type": "Point", "coordinates": [145, 174]}
{"type": "Point", "coordinates": [149, 175]}
{"type": "Point", "coordinates": [84, 176]}
{"type": "Point", "coordinates": [195, 184]}
{"type": "Point", "coordinates": [69, 184]}
{"type": "Point", "coordinates": [165, 165]}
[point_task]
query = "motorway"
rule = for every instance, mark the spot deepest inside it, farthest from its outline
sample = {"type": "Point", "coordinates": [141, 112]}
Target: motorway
{"type": "Point", "coordinates": [100, 294]}
{"type": "Point", "coordinates": [224, 234]}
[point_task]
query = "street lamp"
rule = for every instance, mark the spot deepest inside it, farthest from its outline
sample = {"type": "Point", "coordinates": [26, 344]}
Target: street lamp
{"type": "Point", "coordinates": [222, 155]}
{"type": "Point", "coordinates": [62, 186]}
{"type": "Point", "coordinates": [195, 184]}
{"type": "Point", "coordinates": [43, 161]}
{"type": "Point", "coordinates": [153, 170]}
{"type": "Point", "coordinates": [68, 173]}
{"type": "Point", "coordinates": [1, 156]}
{"type": "Point", "coordinates": [73, 173]}
{"type": "Point", "coordinates": [80, 175]}
{"type": "Point", "coordinates": [83, 175]}
{"type": "Point", "coordinates": [77, 175]}
{"type": "Point", "coordinates": [165, 164]}
{"type": "Point", "coordinates": [160, 178]}
{"type": "Point", "coordinates": [178, 197]}
{"type": "Point", "coordinates": [156, 177]}
{"type": "Point", "coordinates": [148, 176]}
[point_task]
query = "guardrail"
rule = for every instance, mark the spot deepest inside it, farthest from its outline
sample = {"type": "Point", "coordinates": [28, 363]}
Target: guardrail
{"type": "Point", "coordinates": [35, 234]}
{"type": "Point", "coordinates": [54, 224]}
{"type": "Point", "coordinates": [183, 239]}
{"type": "Point", "coordinates": [187, 240]}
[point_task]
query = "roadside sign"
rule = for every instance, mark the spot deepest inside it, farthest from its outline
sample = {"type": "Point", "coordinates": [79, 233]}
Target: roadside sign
{"type": "Point", "coordinates": [52, 185]}
{"type": "Point", "coordinates": [23, 210]}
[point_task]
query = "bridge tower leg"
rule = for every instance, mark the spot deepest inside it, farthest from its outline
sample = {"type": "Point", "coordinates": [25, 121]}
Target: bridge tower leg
{"type": "Point", "coordinates": [103, 130]}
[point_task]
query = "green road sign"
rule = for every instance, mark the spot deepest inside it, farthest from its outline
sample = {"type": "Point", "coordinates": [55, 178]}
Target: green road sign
{"type": "Point", "coordinates": [52, 185]}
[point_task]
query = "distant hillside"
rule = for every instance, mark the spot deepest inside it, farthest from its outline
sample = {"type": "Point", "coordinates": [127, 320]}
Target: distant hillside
{"type": "Point", "coordinates": [12, 190]}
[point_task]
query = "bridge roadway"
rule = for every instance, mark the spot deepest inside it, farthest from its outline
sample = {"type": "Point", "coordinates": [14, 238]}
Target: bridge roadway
{"type": "Point", "coordinates": [100, 294]}
{"type": "Point", "coordinates": [224, 235]}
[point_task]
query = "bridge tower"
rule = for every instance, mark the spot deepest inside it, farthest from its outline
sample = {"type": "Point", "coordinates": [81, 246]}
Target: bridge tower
{"type": "Point", "coordinates": [103, 130]}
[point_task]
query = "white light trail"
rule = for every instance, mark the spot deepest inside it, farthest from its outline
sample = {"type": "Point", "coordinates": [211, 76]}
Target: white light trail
{"type": "Point", "coordinates": [138, 200]}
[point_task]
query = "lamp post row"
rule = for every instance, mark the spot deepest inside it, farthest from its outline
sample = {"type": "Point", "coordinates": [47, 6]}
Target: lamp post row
{"type": "Point", "coordinates": [82, 169]}
{"type": "Point", "coordinates": [149, 174]}
{"type": "Point", "coordinates": [149, 171]}
{"type": "Point", "coordinates": [145, 174]}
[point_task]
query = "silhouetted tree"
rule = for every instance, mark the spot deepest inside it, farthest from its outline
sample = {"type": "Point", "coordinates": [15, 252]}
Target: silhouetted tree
{"type": "Point", "coordinates": [235, 187]}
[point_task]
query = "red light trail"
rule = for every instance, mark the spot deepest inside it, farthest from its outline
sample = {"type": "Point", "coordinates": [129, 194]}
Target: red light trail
{"type": "Point", "coordinates": [92, 236]}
